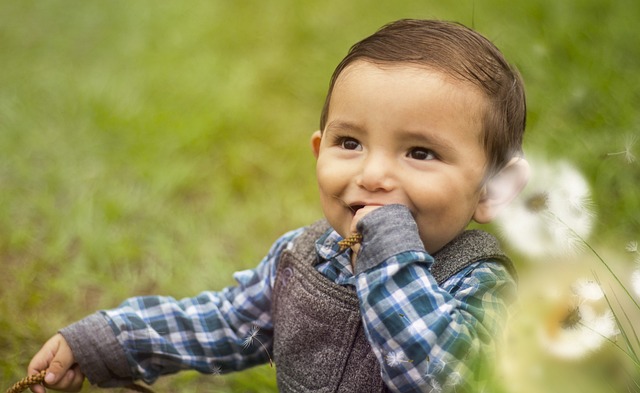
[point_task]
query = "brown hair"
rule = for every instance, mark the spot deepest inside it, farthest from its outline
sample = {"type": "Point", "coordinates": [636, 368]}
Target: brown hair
{"type": "Point", "coordinates": [463, 54]}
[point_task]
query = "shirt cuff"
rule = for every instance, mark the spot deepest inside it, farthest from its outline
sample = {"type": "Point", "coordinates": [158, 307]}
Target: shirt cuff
{"type": "Point", "coordinates": [98, 352]}
{"type": "Point", "coordinates": [387, 231]}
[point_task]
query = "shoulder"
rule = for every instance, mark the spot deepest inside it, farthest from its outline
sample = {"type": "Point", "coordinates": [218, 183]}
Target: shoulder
{"type": "Point", "coordinates": [466, 250]}
{"type": "Point", "coordinates": [307, 236]}
{"type": "Point", "coordinates": [300, 238]}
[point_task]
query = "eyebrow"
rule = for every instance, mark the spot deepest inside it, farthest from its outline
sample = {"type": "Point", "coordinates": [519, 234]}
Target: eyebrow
{"type": "Point", "coordinates": [341, 125]}
{"type": "Point", "coordinates": [430, 139]}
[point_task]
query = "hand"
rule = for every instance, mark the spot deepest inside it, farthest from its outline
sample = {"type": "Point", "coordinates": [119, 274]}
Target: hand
{"type": "Point", "coordinates": [354, 223]}
{"type": "Point", "coordinates": [63, 373]}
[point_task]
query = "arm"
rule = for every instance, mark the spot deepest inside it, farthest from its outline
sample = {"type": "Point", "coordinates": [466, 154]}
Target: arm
{"type": "Point", "coordinates": [425, 336]}
{"type": "Point", "coordinates": [147, 337]}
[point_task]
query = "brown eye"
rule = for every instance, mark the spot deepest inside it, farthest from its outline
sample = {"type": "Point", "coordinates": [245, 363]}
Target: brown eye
{"type": "Point", "coordinates": [350, 144]}
{"type": "Point", "coordinates": [419, 153]}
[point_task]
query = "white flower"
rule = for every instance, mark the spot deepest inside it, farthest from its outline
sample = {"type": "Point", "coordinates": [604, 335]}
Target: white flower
{"type": "Point", "coordinates": [581, 332]}
{"type": "Point", "coordinates": [632, 246]}
{"type": "Point", "coordinates": [552, 214]}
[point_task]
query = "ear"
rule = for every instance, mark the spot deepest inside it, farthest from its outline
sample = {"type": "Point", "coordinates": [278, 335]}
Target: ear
{"type": "Point", "coordinates": [316, 138]}
{"type": "Point", "coordinates": [501, 189]}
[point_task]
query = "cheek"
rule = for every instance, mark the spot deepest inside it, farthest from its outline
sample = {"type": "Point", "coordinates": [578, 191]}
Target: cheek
{"type": "Point", "coordinates": [433, 196]}
{"type": "Point", "coordinates": [330, 177]}
{"type": "Point", "coordinates": [328, 185]}
{"type": "Point", "coordinates": [444, 204]}
{"type": "Point", "coordinates": [324, 180]}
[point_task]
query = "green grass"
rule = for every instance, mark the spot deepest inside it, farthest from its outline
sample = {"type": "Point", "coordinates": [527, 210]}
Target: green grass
{"type": "Point", "coordinates": [157, 147]}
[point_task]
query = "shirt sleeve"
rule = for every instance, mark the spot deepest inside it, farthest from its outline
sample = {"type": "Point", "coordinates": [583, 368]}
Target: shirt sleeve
{"type": "Point", "coordinates": [212, 332]}
{"type": "Point", "coordinates": [426, 337]}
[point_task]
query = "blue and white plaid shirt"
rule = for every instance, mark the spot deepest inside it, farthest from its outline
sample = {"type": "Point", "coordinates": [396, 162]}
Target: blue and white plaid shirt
{"type": "Point", "coordinates": [426, 337]}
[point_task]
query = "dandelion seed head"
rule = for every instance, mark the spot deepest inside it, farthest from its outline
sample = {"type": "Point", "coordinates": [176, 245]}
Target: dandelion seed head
{"type": "Point", "coordinates": [537, 202]}
{"type": "Point", "coordinates": [553, 214]}
{"type": "Point", "coordinates": [630, 141]}
{"type": "Point", "coordinates": [629, 157]}
{"type": "Point", "coordinates": [585, 336]}
{"type": "Point", "coordinates": [251, 336]}
{"type": "Point", "coordinates": [574, 190]}
{"type": "Point", "coordinates": [632, 246]}
{"type": "Point", "coordinates": [572, 319]}
{"type": "Point", "coordinates": [588, 290]}
{"type": "Point", "coordinates": [395, 359]}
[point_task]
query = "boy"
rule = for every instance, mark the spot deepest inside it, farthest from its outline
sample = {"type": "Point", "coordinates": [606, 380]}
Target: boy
{"type": "Point", "coordinates": [421, 133]}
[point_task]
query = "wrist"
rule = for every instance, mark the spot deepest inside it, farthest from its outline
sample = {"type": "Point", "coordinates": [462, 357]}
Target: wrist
{"type": "Point", "coordinates": [387, 231]}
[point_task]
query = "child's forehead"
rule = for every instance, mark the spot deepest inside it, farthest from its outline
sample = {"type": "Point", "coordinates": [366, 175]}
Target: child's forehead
{"type": "Point", "coordinates": [417, 80]}
{"type": "Point", "coordinates": [405, 69]}
{"type": "Point", "coordinates": [367, 66]}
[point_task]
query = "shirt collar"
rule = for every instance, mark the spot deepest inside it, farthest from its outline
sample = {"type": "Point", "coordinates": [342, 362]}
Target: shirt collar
{"type": "Point", "coordinates": [328, 249]}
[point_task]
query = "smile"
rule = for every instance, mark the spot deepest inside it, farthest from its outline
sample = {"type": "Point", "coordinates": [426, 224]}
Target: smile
{"type": "Point", "coordinates": [355, 208]}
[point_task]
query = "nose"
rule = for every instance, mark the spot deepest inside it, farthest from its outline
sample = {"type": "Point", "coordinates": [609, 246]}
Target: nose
{"type": "Point", "coordinates": [376, 173]}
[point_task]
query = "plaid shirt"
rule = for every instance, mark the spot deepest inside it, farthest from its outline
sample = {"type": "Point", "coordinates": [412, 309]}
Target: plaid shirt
{"type": "Point", "coordinates": [426, 337]}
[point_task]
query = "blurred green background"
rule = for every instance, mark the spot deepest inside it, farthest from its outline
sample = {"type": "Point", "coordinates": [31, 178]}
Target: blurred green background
{"type": "Point", "coordinates": [156, 147]}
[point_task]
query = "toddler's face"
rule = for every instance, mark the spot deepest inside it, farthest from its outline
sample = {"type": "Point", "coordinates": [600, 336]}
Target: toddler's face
{"type": "Point", "coordinates": [402, 134]}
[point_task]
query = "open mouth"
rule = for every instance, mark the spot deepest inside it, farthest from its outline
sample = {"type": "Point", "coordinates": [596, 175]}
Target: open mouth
{"type": "Point", "coordinates": [355, 208]}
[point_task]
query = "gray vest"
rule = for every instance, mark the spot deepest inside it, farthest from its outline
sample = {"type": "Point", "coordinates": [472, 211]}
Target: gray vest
{"type": "Point", "coordinates": [319, 340]}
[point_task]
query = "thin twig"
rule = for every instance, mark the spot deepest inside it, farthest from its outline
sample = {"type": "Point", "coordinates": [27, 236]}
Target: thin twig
{"type": "Point", "coordinates": [349, 241]}
{"type": "Point", "coordinates": [24, 383]}
{"type": "Point", "coordinates": [36, 379]}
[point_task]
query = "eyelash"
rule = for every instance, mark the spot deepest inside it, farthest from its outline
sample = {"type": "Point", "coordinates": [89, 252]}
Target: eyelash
{"type": "Point", "coordinates": [430, 153]}
{"type": "Point", "coordinates": [342, 140]}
